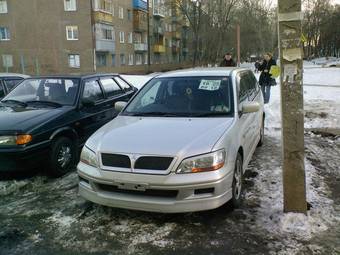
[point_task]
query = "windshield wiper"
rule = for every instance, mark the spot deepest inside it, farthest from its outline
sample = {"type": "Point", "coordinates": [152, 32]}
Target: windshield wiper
{"type": "Point", "coordinates": [51, 103]}
{"type": "Point", "coordinates": [211, 114]}
{"type": "Point", "coordinates": [161, 114]}
{"type": "Point", "coordinates": [12, 101]}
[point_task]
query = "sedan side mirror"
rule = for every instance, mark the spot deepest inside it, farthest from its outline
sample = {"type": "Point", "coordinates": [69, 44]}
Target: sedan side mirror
{"type": "Point", "coordinates": [120, 105]}
{"type": "Point", "coordinates": [251, 107]}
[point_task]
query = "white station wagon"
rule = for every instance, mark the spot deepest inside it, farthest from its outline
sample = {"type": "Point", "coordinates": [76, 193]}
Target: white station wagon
{"type": "Point", "coordinates": [181, 144]}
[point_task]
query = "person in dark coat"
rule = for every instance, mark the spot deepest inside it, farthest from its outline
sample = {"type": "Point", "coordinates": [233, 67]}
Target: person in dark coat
{"type": "Point", "coordinates": [257, 65]}
{"type": "Point", "coordinates": [266, 81]}
{"type": "Point", "coordinates": [227, 61]}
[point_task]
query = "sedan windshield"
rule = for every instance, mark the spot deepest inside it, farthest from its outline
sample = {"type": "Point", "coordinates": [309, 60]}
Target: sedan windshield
{"type": "Point", "coordinates": [48, 92]}
{"type": "Point", "coordinates": [184, 97]}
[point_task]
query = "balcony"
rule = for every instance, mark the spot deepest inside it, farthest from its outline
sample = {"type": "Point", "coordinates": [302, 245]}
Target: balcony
{"type": "Point", "coordinates": [176, 35]}
{"type": "Point", "coordinates": [141, 47]}
{"type": "Point", "coordinates": [139, 21]}
{"type": "Point", "coordinates": [158, 12]}
{"type": "Point", "coordinates": [102, 17]}
{"type": "Point", "coordinates": [140, 4]}
{"type": "Point", "coordinates": [105, 45]}
{"type": "Point", "coordinates": [159, 49]}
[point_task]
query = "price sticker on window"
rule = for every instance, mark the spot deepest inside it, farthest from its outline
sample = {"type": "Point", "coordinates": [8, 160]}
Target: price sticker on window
{"type": "Point", "coordinates": [210, 85]}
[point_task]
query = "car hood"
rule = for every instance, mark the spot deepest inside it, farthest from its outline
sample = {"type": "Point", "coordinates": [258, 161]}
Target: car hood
{"type": "Point", "coordinates": [24, 119]}
{"type": "Point", "coordinates": [159, 136]}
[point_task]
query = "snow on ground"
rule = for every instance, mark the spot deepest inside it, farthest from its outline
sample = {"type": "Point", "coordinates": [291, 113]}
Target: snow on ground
{"type": "Point", "coordinates": [322, 106]}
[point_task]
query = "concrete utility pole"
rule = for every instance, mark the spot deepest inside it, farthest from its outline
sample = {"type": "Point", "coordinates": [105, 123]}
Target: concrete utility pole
{"type": "Point", "coordinates": [290, 32]}
{"type": "Point", "coordinates": [238, 39]}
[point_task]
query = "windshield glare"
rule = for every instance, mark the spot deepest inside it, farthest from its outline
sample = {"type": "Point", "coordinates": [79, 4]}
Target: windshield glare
{"type": "Point", "coordinates": [184, 97]}
{"type": "Point", "coordinates": [61, 91]}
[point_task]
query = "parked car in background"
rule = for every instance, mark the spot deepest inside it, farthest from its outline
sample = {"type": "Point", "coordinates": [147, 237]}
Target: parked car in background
{"type": "Point", "coordinates": [181, 144]}
{"type": "Point", "coordinates": [8, 81]}
{"type": "Point", "coordinates": [45, 120]}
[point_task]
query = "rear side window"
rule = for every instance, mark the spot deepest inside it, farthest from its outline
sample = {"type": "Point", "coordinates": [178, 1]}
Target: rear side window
{"type": "Point", "coordinates": [243, 94]}
{"type": "Point", "coordinates": [123, 84]}
{"type": "Point", "coordinates": [111, 88]}
{"type": "Point", "coordinates": [252, 86]}
{"type": "Point", "coordinates": [92, 91]}
{"type": "Point", "coordinates": [11, 83]}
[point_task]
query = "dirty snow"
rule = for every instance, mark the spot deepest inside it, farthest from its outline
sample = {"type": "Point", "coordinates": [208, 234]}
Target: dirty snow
{"type": "Point", "coordinates": [322, 107]}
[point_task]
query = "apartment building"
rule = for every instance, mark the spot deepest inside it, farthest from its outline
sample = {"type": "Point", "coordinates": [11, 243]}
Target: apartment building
{"type": "Point", "coordinates": [85, 36]}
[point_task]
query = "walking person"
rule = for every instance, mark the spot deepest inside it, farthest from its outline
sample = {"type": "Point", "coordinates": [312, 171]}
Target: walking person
{"type": "Point", "coordinates": [266, 80]}
{"type": "Point", "coordinates": [227, 60]}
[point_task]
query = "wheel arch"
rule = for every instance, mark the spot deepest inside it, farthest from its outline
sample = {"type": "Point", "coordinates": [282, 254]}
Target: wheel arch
{"type": "Point", "coordinates": [67, 132]}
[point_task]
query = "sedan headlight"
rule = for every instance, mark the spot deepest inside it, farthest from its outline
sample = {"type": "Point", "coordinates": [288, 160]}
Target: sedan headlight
{"type": "Point", "coordinates": [203, 163]}
{"type": "Point", "coordinates": [88, 157]}
{"type": "Point", "coordinates": [15, 140]}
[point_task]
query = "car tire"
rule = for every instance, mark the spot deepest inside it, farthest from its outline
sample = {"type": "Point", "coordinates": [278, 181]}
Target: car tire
{"type": "Point", "coordinates": [62, 157]}
{"type": "Point", "coordinates": [237, 185]}
{"type": "Point", "coordinates": [261, 141]}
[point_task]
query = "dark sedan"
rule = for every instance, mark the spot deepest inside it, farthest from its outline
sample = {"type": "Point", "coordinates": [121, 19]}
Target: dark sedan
{"type": "Point", "coordinates": [45, 120]}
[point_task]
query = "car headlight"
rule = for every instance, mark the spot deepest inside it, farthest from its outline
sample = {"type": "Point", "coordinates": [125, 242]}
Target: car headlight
{"type": "Point", "coordinates": [15, 140]}
{"type": "Point", "coordinates": [88, 157]}
{"type": "Point", "coordinates": [203, 163]}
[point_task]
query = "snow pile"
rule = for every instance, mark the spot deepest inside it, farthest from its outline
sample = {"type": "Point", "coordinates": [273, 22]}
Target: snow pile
{"type": "Point", "coordinates": [293, 225]}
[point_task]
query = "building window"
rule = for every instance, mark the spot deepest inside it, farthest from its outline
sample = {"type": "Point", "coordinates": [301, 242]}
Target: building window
{"type": "Point", "coordinates": [105, 32]}
{"type": "Point", "coordinates": [70, 5]}
{"type": "Point", "coordinates": [121, 12]}
{"type": "Point", "coordinates": [139, 59]}
{"type": "Point", "coordinates": [7, 61]}
{"type": "Point", "coordinates": [129, 14]}
{"type": "Point", "coordinates": [122, 60]}
{"type": "Point", "coordinates": [72, 33]}
{"type": "Point", "coordinates": [122, 37]}
{"type": "Point", "coordinates": [113, 59]}
{"type": "Point", "coordinates": [130, 59]}
{"type": "Point", "coordinates": [74, 60]}
{"type": "Point", "coordinates": [130, 37]}
{"type": "Point", "coordinates": [101, 59]}
{"type": "Point", "coordinates": [4, 34]}
{"type": "Point", "coordinates": [104, 6]}
{"type": "Point", "coordinates": [3, 6]}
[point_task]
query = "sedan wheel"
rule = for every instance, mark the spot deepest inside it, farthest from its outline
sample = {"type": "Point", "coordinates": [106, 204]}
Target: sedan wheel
{"type": "Point", "coordinates": [237, 182]}
{"type": "Point", "coordinates": [62, 156]}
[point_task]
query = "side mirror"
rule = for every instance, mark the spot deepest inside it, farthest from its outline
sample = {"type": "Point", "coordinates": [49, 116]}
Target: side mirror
{"type": "Point", "coordinates": [120, 105]}
{"type": "Point", "coordinates": [87, 102]}
{"type": "Point", "coordinates": [251, 107]}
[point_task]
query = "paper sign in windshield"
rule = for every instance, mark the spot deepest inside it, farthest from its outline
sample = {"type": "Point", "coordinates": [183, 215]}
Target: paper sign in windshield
{"type": "Point", "coordinates": [210, 85]}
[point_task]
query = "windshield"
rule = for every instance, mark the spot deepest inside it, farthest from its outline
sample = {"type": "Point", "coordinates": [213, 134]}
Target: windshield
{"type": "Point", "coordinates": [47, 91]}
{"type": "Point", "coordinates": [184, 97]}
